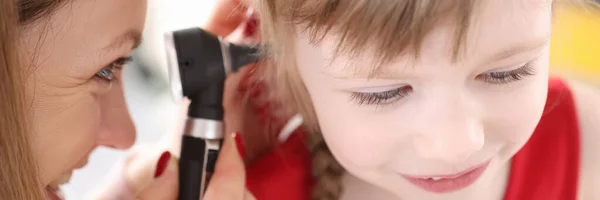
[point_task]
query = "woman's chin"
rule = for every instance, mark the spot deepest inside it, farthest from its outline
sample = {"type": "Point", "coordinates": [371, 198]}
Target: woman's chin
{"type": "Point", "coordinates": [53, 191]}
{"type": "Point", "coordinates": [54, 194]}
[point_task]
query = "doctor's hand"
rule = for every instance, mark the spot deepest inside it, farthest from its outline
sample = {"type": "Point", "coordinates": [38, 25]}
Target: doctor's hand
{"type": "Point", "coordinates": [151, 171]}
{"type": "Point", "coordinates": [148, 176]}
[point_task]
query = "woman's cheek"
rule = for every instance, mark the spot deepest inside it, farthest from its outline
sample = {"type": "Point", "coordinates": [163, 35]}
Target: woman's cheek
{"type": "Point", "coordinates": [65, 134]}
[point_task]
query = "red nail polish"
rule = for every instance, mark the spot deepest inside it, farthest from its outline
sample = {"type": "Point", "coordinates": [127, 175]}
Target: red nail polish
{"type": "Point", "coordinates": [239, 143]}
{"type": "Point", "coordinates": [162, 164]}
{"type": "Point", "coordinates": [250, 28]}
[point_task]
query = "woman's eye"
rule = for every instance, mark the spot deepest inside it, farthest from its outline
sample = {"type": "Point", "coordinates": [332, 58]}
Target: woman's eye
{"type": "Point", "coordinates": [381, 98]}
{"type": "Point", "coordinates": [507, 76]}
{"type": "Point", "coordinates": [108, 73]}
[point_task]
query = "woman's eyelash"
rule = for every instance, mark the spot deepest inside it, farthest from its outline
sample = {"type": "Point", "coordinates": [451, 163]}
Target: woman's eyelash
{"type": "Point", "coordinates": [507, 76]}
{"type": "Point", "coordinates": [380, 98]}
{"type": "Point", "coordinates": [108, 73]}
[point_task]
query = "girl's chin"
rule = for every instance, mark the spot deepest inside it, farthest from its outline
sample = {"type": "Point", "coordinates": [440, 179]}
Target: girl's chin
{"type": "Point", "coordinates": [54, 194]}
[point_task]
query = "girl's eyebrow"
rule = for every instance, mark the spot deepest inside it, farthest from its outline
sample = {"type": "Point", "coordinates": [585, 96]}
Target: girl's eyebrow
{"type": "Point", "coordinates": [518, 48]}
{"type": "Point", "coordinates": [383, 73]}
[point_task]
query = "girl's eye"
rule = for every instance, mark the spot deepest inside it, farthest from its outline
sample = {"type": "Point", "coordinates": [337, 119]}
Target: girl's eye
{"type": "Point", "coordinates": [507, 76]}
{"type": "Point", "coordinates": [381, 98]}
{"type": "Point", "coordinates": [108, 73]}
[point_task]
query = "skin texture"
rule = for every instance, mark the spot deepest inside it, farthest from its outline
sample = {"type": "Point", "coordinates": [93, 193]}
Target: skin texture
{"type": "Point", "coordinates": [73, 111]}
{"type": "Point", "coordinates": [452, 120]}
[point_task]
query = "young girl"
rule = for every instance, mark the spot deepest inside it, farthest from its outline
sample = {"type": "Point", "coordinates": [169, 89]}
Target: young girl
{"type": "Point", "coordinates": [423, 99]}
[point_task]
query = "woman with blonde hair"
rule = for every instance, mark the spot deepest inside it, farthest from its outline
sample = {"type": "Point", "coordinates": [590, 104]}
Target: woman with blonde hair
{"type": "Point", "coordinates": [61, 94]}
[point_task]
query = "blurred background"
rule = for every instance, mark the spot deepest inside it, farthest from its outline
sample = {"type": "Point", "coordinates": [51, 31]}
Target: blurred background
{"type": "Point", "coordinates": [575, 50]}
{"type": "Point", "coordinates": [575, 53]}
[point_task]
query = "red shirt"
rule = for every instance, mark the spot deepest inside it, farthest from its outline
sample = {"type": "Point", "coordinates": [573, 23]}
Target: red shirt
{"type": "Point", "coordinates": [546, 168]}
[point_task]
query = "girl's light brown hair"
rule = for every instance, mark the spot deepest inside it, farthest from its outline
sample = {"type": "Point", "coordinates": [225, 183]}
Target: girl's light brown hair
{"type": "Point", "coordinates": [390, 28]}
{"type": "Point", "coordinates": [19, 172]}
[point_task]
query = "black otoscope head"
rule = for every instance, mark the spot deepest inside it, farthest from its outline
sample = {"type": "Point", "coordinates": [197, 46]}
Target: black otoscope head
{"type": "Point", "coordinates": [198, 65]}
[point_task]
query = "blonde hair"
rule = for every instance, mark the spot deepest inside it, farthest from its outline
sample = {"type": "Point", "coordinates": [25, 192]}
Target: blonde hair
{"type": "Point", "coordinates": [391, 27]}
{"type": "Point", "coordinates": [19, 178]}
{"type": "Point", "coordinates": [18, 174]}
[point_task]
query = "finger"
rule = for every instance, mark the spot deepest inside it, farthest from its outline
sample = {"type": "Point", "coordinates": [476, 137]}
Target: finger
{"type": "Point", "coordinates": [249, 196]}
{"type": "Point", "coordinates": [226, 17]}
{"type": "Point", "coordinates": [229, 180]}
{"type": "Point", "coordinates": [236, 85]}
{"type": "Point", "coordinates": [164, 187]}
{"type": "Point", "coordinates": [172, 140]}
{"type": "Point", "coordinates": [137, 172]}
{"type": "Point", "coordinates": [234, 103]}
{"type": "Point", "coordinates": [247, 31]}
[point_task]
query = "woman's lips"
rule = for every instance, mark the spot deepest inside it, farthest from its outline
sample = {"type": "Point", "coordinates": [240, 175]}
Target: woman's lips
{"type": "Point", "coordinates": [449, 182]}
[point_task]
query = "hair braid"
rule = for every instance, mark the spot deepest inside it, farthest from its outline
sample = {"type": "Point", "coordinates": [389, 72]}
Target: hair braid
{"type": "Point", "coordinates": [326, 171]}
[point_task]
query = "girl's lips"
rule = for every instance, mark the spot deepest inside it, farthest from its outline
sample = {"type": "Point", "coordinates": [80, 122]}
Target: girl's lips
{"type": "Point", "coordinates": [449, 182]}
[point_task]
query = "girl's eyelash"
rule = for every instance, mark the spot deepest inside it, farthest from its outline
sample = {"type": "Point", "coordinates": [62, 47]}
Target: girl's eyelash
{"type": "Point", "coordinates": [507, 76]}
{"type": "Point", "coordinates": [391, 96]}
{"type": "Point", "coordinates": [381, 98]}
{"type": "Point", "coordinates": [108, 73]}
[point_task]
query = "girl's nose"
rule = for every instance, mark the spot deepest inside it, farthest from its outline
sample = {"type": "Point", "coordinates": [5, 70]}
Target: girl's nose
{"type": "Point", "coordinates": [449, 127]}
{"type": "Point", "coordinates": [453, 142]}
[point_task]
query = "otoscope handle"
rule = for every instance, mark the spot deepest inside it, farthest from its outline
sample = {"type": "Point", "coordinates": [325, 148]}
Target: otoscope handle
{"type": "Point", "coordinates": [198, 157]}
{"type": "Point", "coordinates": [190, 162]}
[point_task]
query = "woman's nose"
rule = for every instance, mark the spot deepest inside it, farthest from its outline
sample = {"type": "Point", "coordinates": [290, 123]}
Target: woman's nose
{"type": "Point", "coordinates": [118, 130]}
{"type": "Point", "coordinates": [450, 130]}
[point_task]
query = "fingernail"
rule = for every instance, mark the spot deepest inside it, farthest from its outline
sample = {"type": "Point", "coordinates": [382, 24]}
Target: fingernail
{"type": "Point", "coordinates": [163, 161]}
{"type": "Point", "coordinates": [250, 28]}
{"type": "Point", "coordinates": [239, 143]}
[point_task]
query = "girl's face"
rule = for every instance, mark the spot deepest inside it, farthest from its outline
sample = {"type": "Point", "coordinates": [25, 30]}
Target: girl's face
{"type": "Point", "coordinates": [77, 100]}
{"type": "Point", "coordinates": [435, 118]}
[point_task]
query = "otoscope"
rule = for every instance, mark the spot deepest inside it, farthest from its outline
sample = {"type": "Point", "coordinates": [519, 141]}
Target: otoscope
{"type": "Point", "coordinates": [198, 63]}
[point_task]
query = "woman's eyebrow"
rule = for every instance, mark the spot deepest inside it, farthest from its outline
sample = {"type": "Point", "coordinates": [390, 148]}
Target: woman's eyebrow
{"type": "Point", "coordinates": [132, 36]}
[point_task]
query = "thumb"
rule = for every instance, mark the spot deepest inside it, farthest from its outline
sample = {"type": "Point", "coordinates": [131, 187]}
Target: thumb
{"type": "Point", "coordinates": [229, 180]}
{"type": "Point", "coordinates": [140, 170]}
